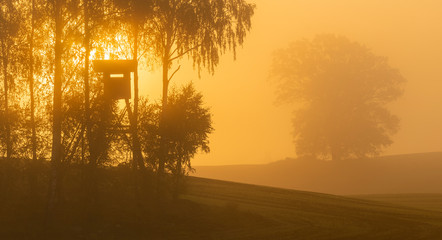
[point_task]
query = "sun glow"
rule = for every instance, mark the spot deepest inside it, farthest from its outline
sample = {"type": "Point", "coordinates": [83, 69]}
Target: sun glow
{"type": "Point", "coordinates": [106, 55]}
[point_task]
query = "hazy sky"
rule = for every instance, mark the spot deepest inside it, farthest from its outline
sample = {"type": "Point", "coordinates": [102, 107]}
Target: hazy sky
{"type": "Point", "coordinates": [250, 128]}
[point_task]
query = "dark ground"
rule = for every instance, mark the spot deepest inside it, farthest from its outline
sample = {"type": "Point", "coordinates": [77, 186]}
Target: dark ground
{"type": "Point", "coordinates": [207, 209]}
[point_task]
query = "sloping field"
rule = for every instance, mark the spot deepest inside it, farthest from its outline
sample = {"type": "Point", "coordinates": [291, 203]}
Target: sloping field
{"type": "Point", "coordinates": [207, 209]}
{"type": "Point", "coordinates": [305, 215]}
{"type": "Point", "coordinates": [429, 201]}
{"type": "Point", "coordinates": [410, 173]}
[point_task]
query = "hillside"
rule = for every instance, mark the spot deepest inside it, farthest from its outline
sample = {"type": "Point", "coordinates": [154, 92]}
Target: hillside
{"type": "Point", "coordinates": [206, 209]}
{"type": "Point", "coordinates": [411, 173]}
{"type": "Point", "coordinates": [427, 201]}
{"type": "Point", "coordinates": [290, 214]}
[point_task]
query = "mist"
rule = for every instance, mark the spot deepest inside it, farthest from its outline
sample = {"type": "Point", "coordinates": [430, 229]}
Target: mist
{"type": "Point", "coordinates": [220, 119]}
{"type": "Point", "coordinates": [250, 128]}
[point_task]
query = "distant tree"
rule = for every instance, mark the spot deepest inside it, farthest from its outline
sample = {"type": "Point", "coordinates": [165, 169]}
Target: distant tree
{"type": "Point", "coordinates": [187, 129]}
{"type": "Point", "coordinates": [343, 89]}
{"type": "Point", "coordinates": [201, 30]}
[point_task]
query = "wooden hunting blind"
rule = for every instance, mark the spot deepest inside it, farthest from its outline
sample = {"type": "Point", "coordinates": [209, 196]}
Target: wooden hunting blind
{"type": "Point", "coordinates": [116, 77]}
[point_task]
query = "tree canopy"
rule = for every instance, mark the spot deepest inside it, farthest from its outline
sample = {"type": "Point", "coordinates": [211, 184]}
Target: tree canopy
{"type": "Point", "coordinates": [51, 97]}
{"type": "Point", "coordinates": [343, 90]}
{"type": "Point", "coordinates": [201, 30]}
{"type": "Point", "coordinates": [187, 128]}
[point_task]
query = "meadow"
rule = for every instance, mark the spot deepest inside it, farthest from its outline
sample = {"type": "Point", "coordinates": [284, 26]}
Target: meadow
{"type": "Point", "coordinates": [307, 215]}
{"type": "Point", "coordinates": [206, 209]}
{"type": "Point", "coordinates": [395, 174]}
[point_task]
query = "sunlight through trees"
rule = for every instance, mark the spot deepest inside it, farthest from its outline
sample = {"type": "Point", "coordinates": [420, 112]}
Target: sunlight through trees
{"type": "Point", "coordinates": [53, 105]}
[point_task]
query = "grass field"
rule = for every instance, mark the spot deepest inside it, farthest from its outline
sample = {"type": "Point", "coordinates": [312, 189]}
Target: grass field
{"type": "Point", "coordinates": [210, 209]}
{"type": "Point", "coordinates": [426, 201]}
{"type": "Point", "coordinates": [408, 173]}
{"type": "Point", "coordinates": [305, 215]}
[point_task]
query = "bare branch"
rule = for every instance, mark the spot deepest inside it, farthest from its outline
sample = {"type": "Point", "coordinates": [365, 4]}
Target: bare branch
{"type": "Point", "coordinates": [185, 52]}
{"type": "Point", "coordinates": [171, 76]}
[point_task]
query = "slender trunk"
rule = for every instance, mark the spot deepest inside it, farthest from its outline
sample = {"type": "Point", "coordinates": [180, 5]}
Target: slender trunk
{"type": "Point", "coordinates": [57, 118]}
{"type": "Point", "coordinates": [179, 167]}
{"type": "Point", "coordinates": [32, 166]}
{"type": "Point", "coordinates": [87, 46]}
{"type": "Point", "coordinates": [136, 73]}
{"type": "Point", "coordinates": [165, 82]}
{"type": "Point", "coordinates": [6, 92]}
{"type": "Point", "coordinates": [137, 155]}
{"type": "Point", "coordinates": [31, 84]}
{"type": "Point", "coordinates": [163, 141]}
{"type": "Point", "coordinates": [57, 102]}
{"type": "Point", "coordinates": [177, 179]}
{"type": "Point", "coordinates": [162, 130]}
{"type": "Point", "coordinates": [164, 148]}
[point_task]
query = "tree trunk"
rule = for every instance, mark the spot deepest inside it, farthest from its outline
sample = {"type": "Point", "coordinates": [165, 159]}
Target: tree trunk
{"type": "Point", "coordinates": [57, 118]}
{"type": "Point", "coordinates": [135, 57]}
{"type": "Point", "coordinates": [177, 176]}
{"type": "Point", "coordinates": [163, 141]}
{"type": "Point", "coordinates": [87, 46]}
{"type": "Point", "coordinates": [137, 155]}
{"type": "Point", "coordinates": [6, 92]}
{"type": "Point", "coordinates": [31, 84]}
{"type": "Point", "coordinates": [90, 180]}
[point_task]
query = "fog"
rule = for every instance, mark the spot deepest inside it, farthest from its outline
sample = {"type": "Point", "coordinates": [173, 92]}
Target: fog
{"type": "Point", "coordinates": [251, 129]}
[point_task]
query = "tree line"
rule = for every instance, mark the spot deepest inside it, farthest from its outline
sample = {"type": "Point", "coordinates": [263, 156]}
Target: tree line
{"type": "Point", "coordinates": [52, 101]}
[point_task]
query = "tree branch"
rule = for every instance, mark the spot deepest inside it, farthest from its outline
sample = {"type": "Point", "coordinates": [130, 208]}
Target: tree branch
{"type": "Point", "coordinates": [173, 52]}
{"type": "Point", "coordinates": [171, 76]}
{"type": "Point", "coordinates": [185, 52]}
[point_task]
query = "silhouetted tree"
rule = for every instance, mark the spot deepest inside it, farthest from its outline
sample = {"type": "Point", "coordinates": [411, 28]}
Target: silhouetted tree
{"type": "Point", "coordinates": [96, 16]}
{"type": "Point", "coordinates": [39, 65]}
{"type": "Point", "coordinates": [34, 28]}
{"type": "Point", "coordinates": [31, 80]}
{"type": "Point", "coordinates": [136, 12]}
{"type": "Point", "coordinates": [202, 30]}
{"type": "Point", "coordinates": [343, 89]}
{"type": "Point", "coordinates": [65, 16]}
{"type": "Point", "coordinates": [56, 156]}
{"type": "Point", "coordinates": [9, 34]}
{"type": "Point", "coordinates": [49, 45]}
{"type": "Point", "coordinates": [87, 9]}
{"type": "Point", "coordinates": [187, 129]}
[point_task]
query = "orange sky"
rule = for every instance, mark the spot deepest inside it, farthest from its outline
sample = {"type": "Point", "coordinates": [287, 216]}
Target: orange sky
{"type": "Point", "coordinates": [250, 128]}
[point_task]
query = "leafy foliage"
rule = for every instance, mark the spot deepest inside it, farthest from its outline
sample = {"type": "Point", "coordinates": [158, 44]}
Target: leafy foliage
{"type": "Point", "coordinates": [343, 88]}
{"type": "Point", "coordinates": [187, 127]}
{"type": "Point", "coordinates": [201, 29]}
{"type": "Point", "coordinates": [51, 94]}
